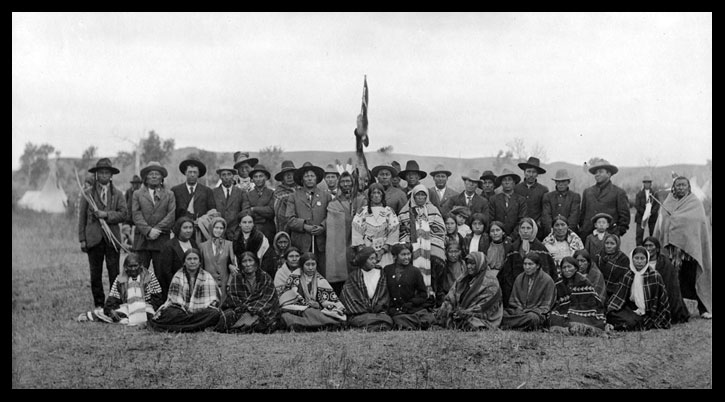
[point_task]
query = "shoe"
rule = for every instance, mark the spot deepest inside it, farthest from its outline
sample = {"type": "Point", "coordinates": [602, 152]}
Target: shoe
{"type": "Point", "coordinates": [83, 318]}
{"type": "Point", "coordinates": [706, 316]}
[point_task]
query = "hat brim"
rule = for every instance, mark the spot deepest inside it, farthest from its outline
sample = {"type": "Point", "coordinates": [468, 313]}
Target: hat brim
{"type": "Point", "coordinates": [561, 178]}
{"type": "Point", "coordinates": [145, 171]}
{"type": "Point", "coordinates": [184, 164]}
{"type": "Point", "coordinates": [445, 172]}
{"type": "Point", "coordinates": [393, 171]}
{"type": "Point", "coordinates": [219, 171]}
{"type": "Point", "coordinates": [319, 172]}
{"type": "Point", "coordinates": [97, 168]}
{"type": "Point", "coordinates": [612, 169]}
{"type": "Point", "coordinates": [479, 181]}
{"type": "Point", "coordinates": [251, 161]}
{"type": "Point", "coordinates": [517, 178]}
{"type": "Point", "coordinates": [421, 173]}
{"type": "Point", "coordinates": [331, 172]}
{"type": "Point", "coordinates": [488, 176]}
{"type": "Point", "coordinates": [608, 217]}
{"type": "Point", "coordinates": [525, 166]}
{"type": "Point", "coordinates": [279, 176]}
{"type": "Point", "coordinates": [253, 171]}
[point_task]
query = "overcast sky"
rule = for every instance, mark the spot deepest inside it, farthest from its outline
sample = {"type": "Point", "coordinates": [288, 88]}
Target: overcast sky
{"type": "Point", "coordinates": [624, 87]}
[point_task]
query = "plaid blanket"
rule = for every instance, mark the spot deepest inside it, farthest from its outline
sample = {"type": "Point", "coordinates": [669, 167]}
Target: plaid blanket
{"type": "Point", "coordinates": [205, 293]}
{"type": "Point", "coordinates": [261, 300]}
{"type": "Point", "coordinates": [577, 305]}
{"type": "Point", "coordinates": [355, 298]}
{"type": "Point", "coordinates": [613, 267]}
{"type": "Point", "coordinates": [657, 310]}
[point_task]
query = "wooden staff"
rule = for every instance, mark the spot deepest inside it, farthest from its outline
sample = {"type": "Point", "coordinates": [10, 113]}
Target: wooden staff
{"type": "Point", "coordinates": [104, 224]}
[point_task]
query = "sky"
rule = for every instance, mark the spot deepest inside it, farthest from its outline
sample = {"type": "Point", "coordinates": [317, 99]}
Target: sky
{"type": "Point", "coordinates": [634, 89]}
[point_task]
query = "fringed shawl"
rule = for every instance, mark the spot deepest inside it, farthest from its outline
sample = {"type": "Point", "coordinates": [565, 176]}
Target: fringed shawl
{"type": "Point", "coordinates": [295, 298]}
{"type": "Point", "coordinates": [577, 305]}
{"type": "Point", "coordinates": [355, 298]}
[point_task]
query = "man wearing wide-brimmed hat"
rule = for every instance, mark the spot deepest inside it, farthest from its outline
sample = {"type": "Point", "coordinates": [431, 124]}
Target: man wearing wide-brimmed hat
{"type": "Point", "coordinates": [532, 191]}
{"type": "Point", "coordinates": [244, 164]}
{"type": "Point", "coordinates": [394, 197]}
{"type": "Point", "coordinates": [153, 214]}
{"type": "Point", "coordinates": [412, 176]}
{"type": "Point", "coordinates": [331, 178]}
{"type": "Point", "coordinates": [604, 196]}
{"type": "Point", "coordinates": [440, 194]}
{"type": "Point", "coordinates": [228, 199]}
{"type": "Point", "coordinates": [259, 202]}
{"type": "Point", "coordinates": [193, 199]}
{"type": "Point", "coordinates": [488, 188]}
{"type": "Point", "coordinates": [507, 207]}
{"type": "Point", "coordinates": [307, 213]}
{"type": "Point", "coordinates": [111, 208]}
{"type": "Point", "coordinates": [469, 198]}
{"type": "Point", "coordinates": [286, 186]}
{"type": "Point", "coordinates": [561, 201]}
{"type": "Point", "coordinates": [647, 207]}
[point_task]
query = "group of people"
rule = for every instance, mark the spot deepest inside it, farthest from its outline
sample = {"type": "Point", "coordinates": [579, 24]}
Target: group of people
{"type": "Point", "coordinates": [504, 253]}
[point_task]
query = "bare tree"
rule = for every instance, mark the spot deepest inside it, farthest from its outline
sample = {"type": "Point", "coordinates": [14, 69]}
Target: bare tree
{"type": "Point", "coordinates": [518, 148]}
{"type": "Point", "coordinates": [539, 151]}
{"type": "Point", "coordinates": [271, 158]}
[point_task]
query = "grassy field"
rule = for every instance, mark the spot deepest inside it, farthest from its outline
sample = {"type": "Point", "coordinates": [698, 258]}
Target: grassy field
{"type": "Point", "coordinates": [50, 350]}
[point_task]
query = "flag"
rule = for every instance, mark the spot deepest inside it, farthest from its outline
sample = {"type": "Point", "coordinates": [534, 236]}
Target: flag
{"type": "Point", "coordinates": [362, 119]}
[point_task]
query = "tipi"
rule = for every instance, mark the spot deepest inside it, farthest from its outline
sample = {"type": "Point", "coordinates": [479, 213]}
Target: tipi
{"type": "Point", "coordinates": [51, 198]}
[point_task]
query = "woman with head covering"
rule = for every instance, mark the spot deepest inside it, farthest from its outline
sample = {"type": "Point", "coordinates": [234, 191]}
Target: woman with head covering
{"type": "Point", "coordinates": [409, 302]}
{"type": "Point", "coordinates": [193, 302]}
{"type": "Point", "coordinates": [532, 297]}
{"type": "Point", "coordinates": [588, 268]}
{"type": "Point", "coordinates": [513, 265]}
{"type": "Point", "coordinates": [578, 309]}
{"type": "Point", "coordinates": [365, 294]}
{"type": "Point", "coordinates": [474, 300]}
{"type": "Point", "coordinates": [613, 264]}
{"type": "Point", "coordinates": [670, 275]}
{"type": "Point", "coordinates": [452, 235]}
{"type": "Point", "coordinates": [291, 263]}
{"type": "Point", "coordinates": [275, 255]}
{"type": "Point", "coordinates": [422, 226]}
{"type": "Point", "coordinates": [498, 247]}
{"type": "Point", "coordinates": [249, 238]}
{"type": "Point", "coordinates": [562, 241]}
{"type": "Point", "coordinates": [308, 301]}
{"type": "Point", "coordinates": [443, 279]}
{"type": "Point", "coordinates": [640, 300]}
{"type": "Point", "coordinates": [135, 296]}
{"type": "Point", "coordinates": [218, 255]}
{"type": "Point", "coordinates": [252, 304]}
{"type": "Point", "coordinates": [171, 257]}
{"type": "Point", "coordinates": [376, 225]}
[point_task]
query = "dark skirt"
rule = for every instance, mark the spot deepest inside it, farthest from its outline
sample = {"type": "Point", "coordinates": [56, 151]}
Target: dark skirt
{"type": "Point", "coordinates": [625, 319]}
{"type": "Point", "coordinates": [174, 319]}
{"type": "Point", "coordinates": [528, 321]}
{"type": "Point", "coordinates": [421, 319]}
{"type": "Point", "coordinates": [372, 321]}
{"type": "Point", "coordinates": [310, 319]}
{"type": "Point", "coordinates": [233, 321]}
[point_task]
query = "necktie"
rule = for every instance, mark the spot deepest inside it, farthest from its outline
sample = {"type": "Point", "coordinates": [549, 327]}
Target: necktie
{"type": "Point", "coordinates": [468, 199]}
{"type": "Point", "coordinates": [156, 196]}
{"type": "Point", "coordinates": [309, 196]}
{"type": "Point", "coordinates": [191, 191]}
{"type": "Point", "coordinates": [104, 195]}
{"type": "Point", "coordinates": [229, 190]}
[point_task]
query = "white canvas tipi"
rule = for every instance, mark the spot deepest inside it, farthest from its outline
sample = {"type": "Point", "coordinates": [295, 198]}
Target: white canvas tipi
{"type": "Point", "coordinates": [51, 198]}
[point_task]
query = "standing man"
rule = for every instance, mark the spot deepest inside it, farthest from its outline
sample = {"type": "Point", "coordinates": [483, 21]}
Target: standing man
{"type": "Point", "coordinates": [469, 198]}
{"type": "Point", "coordinates": [647, 209]}
{"type": "Point", "coordinates": [394, 197]}
{"type": "Point", "coordinates": [605, 197]}
{"type": "Point", "coordinates": [307, 213]}
{"type": "Point", "coordinates": [286, 187]}
{"type": "Point", "coordinates": [260, 202]}
{"type": "Point", "coordinates": [153, 215]}
{"type": "Point", "coordinates": [562, 202]}
{"type": "Point", "coordinates": [488, 185]}
{"type": "Point", "coordinates": [228, 200]}
{"type": "Point", "coordinates": [111, 208]}
{"type": "Point", "coordinates": [507, 207]}
{"type": "Point", "coordinates": [440, 194]}
{"type": "Point", "coordinates": [532, 191]}
{"type": "Point", "coordinates": [331, 178]}
{"type": "Point", "coordinates": [244, 164]}
{"type": "Point", "coordinates": [412, 175]}
{"type": "Point", "coordinates": [193, 199]}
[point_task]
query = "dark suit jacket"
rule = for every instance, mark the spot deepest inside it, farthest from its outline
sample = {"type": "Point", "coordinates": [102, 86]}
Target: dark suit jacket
{"type": "Point", "coordinates": [89, 227]}
{"type": "Point", "coordinates": [261, 207]}
{"type": "Point", "coordinates": [441, 203]}
{"type": "Point", "coordinates": [534, 197]}
{"type": "Point", "coordinates": [300, 212]}
{"type": "Point", "coordinates": [510, 216]}
{"type": "Point", "coordinates": [171, 260]}
{"type": "Point", "coordinates": [607, 198]}
{"type": "Point", "coordinates": [146, 215]}
{"type": "Point", "coordinates": [230, 208]}
{"type": "Point", "coordinates": [640, 203]}
{"type": "Point", "coordinates": [203, 200]}
{"type": "Point", "coordinates": [566, 204]}
{"type": "Point", "coordinates": [478, 205]}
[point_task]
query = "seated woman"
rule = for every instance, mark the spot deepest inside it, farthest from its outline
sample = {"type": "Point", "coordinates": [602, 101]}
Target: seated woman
{"type": "Point", "coordinates": [562, 241]}
{"type": "Point", "coordinates": [135, 296]}
{"type": "Point", "coordinates": [588, 268]}
{"type": "Point", "coordinates": [308, 301]}
{"type": "Point", "coordinates": [498, 247]}
{"type": "Point", "coordinates": [291, 263]}
{"type": "Point", "coordinates": [365, 294]}
{"type": "Point", "coordinates": [670, 275]}
{"type": "Point", "coordinates": [218, 255]}
{"type": "Point", "coordinates": [443, 279]}
{"type": "Point", "coordinates": [578, 309]}
{"type": "Point", "coordinates": [478, 239]}
{"type": "Point", "coordinates": [474, 301]}
{"type": "Point", "coordinates": [193, 302]}
{"type": "Point", "coordinates": [252, 304]}
{"type": "Point", "coordinates": [452, 235]}
{"type": "Point", "coordinates": [171, 257]}
{"type": "Point", "coordinates": [640, 300]}
{"type": "Point", "coordinates": [513, 265]}
{"type": "Point", "coordinates": [613, 264]}
{"type": "Point", "coordinates": [275, 255]}
{"type": "Point", "coordinates": [409, 302]}
{"type": "Point", "coordinates": [532, 297]}
{"type": "Point", "coordinates": [248, 237]}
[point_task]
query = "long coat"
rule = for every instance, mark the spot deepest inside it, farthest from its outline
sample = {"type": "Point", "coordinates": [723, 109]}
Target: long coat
{"type": "Point", "coordinates": [89, 227]}
{"type": "Point", "coordinates": [147, 215]}
{"type": "Point", "coordinates": [509, 216]}
{"type": "Point", "coordinates": [230, 208]}
{"type": "Point", "coordinates": [203, 200]}
{"type": "Point", "coordinates": [300, 212]}
{"type": "Point", "coordinates": [441, 203]}
{"type": "Point", "coordinates": [566, 204]}
{"type": "Point", "coordinates": [606, 198]}
{"type": "Point", "coordinates": [534, 197]}
{"type": "Point", "coordinates": [261, 207]}
{"type": "Point", "coordinates": [171, 260]}
{"type": "Point", "coordinates": [640, 204]}
{"type": "Point", "coordinates": [478, 205]}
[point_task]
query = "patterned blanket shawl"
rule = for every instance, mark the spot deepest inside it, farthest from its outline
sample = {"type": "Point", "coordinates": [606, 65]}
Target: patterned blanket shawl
{"type": "Point", "coordinates": [355, 298]}
{"type": "Point", "coordinates": [577, 306]}
{"type": "Point", "coordinates": [205, 293]}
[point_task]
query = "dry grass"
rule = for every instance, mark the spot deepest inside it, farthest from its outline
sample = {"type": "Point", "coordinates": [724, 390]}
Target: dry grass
{"type": "Point", "coordinates": [50, 350]}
